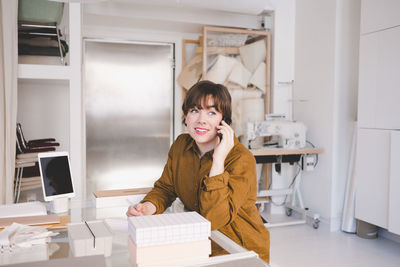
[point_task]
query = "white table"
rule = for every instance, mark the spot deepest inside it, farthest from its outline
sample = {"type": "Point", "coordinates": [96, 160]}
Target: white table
{"type": "Point", "coordinates": [85, 211]}
{"type": "Point", "coordinates": [282, 155]}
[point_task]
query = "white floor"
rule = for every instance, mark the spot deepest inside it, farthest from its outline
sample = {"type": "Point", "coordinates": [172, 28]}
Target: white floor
{"type": "Point", "coordinates": [302, 245]}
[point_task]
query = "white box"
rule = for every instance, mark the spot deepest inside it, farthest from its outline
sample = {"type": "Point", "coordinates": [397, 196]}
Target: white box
{"type": "Point", "coordinates": [85, 241]}
{"type": "Point", "coordinates": [107, 202]}
{"type": "Point", "coordinates": [168, 228]}
{"type": "Point", "coordinates": [120, 197]}
{"type": "Point", "coordinates": [34, 208]}
{"type": "Point", "coordinates": [169, 252]}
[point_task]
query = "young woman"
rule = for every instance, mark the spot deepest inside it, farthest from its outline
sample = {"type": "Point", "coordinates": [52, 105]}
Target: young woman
{"type": "Point", "coordinates": [211, 172]}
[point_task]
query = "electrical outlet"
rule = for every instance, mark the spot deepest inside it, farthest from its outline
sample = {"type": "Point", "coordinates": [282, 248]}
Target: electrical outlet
{"type": "Point", "coordinates": [309, 163]}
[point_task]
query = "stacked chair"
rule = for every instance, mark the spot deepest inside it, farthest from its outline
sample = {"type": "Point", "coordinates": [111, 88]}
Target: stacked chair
{"type": "Point", "coordinates": [27, 175]}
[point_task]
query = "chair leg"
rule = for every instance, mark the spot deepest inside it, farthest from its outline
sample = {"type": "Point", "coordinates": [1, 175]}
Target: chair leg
{"type": "Point", "coordinates": [16, 181]}
{"type": "Point", "coordinates": [19, 185]}
{"type": "Point", "coordinates": [21, 141]}
{"type": "Point", "coordinates": [59, 46]}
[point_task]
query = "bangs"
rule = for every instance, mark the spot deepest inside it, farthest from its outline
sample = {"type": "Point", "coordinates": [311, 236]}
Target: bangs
{"type": "Point", "coordinates": [204, 101]}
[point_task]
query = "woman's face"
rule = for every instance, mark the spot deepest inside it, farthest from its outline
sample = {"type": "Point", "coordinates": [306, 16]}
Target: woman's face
{"type": "Point", "coordinates": [202, 124]}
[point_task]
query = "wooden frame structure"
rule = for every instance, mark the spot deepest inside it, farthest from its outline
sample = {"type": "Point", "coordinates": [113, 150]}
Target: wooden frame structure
{"type": "Point", "coordinates": [184, 43]}
{"type": "Point", "coordinates": [265, 34]}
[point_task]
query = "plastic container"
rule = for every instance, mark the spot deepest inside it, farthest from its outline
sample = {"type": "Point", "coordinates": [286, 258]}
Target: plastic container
{"type": "Point", "coordinates": [366, 230]}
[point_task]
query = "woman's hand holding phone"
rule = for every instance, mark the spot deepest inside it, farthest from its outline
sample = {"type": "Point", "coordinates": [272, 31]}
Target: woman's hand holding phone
{"type": "Point", "coordinates": [225, 142]}
{"type": "Point", "coordinates": [141, 209]}
{"type": "Point", "coordinates": [222, 148]}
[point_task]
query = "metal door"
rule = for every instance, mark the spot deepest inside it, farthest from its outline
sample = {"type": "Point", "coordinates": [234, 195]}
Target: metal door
{"type": "Point", "coordinates": [128, 92]}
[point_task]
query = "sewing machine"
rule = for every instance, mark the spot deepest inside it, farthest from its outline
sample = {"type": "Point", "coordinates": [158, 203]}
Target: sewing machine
{"type": "Point", "coordinates": [290, 137]}
{"type": "Point", "coordinates": [289, 134]}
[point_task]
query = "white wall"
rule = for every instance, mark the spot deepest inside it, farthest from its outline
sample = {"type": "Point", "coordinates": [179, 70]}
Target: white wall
{"type": "Point", "coordinates": [326, 57]}
{"type": "Point", "coordinates": [283, 47]}
{"type": "Point", "coordinates": [43, 110]}
{"type": "Point", "coordinates": [282, 68]}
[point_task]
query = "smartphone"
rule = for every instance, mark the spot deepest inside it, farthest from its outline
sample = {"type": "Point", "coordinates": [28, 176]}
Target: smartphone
{"type": "Point", "coordinates": [220, 134]}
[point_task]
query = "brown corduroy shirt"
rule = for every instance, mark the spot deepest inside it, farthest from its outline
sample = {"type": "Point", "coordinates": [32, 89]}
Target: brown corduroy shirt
{"type": "Point", "coordinates": [227, 200]}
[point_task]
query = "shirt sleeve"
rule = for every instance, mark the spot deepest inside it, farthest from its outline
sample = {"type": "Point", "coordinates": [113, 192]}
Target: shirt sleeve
{"type": "Point", "coordinates": [222, 196]}
{"type": "Point", "coordinates": [163, 193]}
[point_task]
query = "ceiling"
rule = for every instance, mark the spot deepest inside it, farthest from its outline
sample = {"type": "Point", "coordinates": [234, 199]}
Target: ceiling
{"type": "Point", "coordinates": [251, 7]}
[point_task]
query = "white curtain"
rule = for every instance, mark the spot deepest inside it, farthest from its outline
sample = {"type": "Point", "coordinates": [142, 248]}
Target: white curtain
{"type": "Point", "coordinates": [8, 96]}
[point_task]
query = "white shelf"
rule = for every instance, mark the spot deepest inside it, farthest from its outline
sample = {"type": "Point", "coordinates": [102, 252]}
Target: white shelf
{"type": "Point", "coordinates": [65, 104]}
{"type": "Point", "coordinates": [49, 72]}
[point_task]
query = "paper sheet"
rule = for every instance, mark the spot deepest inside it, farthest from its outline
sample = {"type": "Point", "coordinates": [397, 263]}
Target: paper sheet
{"type": "Point", "coordinates": [259, 77]}
{"type": "Point", "coordinates": [21, 235]}
{"type": "Point", "coordinates": [240, 75]}
{"type": "Point", "coordinates": [221, 69]}
{"type": "Point", "coordinates": [191, 72]}
{"type": "Point", "coordinates": [253, 54]}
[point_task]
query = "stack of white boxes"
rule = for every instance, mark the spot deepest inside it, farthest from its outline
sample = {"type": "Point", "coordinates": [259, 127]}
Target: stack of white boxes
{"type": "Point", "coordinates": [168, 239]}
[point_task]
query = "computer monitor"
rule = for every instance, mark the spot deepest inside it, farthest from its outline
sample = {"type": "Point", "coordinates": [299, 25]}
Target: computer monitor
{"type": "Point", "coordinates": [55, 173]}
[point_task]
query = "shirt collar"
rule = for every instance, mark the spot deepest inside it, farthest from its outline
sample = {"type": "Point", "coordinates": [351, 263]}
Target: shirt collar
{"type": "Point", "coordinates": [192, 144]}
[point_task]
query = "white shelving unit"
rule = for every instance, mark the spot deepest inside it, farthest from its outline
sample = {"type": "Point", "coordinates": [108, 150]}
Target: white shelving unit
{"type": "Point", "coordinates": [64, 83]}
{"type": "Point", "coordinates": [45, 72]}
{"type": "Point", "coordinates": [377, 169]}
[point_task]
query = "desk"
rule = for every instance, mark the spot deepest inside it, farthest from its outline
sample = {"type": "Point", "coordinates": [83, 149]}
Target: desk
{"type": "Point", "coordinates": [81, 211]}
{"type": "Point", "coordinates": [285, 151]}
{"type": "Point", "coordinates": [278, 156]}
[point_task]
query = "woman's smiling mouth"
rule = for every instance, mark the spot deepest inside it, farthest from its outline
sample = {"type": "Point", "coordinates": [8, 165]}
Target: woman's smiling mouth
{"type": "Point", "coordinates": [201, 131]}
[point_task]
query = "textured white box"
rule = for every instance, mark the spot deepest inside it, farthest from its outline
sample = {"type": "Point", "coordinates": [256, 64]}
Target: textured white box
{"type": "Point", "coordinates": [81, 240]}
{"type": "Point", "coordinates": [168, 228]}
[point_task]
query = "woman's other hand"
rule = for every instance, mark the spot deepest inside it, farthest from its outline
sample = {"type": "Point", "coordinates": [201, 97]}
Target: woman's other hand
{"type": "Point", "coordinates": [140, 209]}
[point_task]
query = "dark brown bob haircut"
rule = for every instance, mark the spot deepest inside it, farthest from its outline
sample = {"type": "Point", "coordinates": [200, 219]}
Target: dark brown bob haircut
{"type": "Point", "coordinates": [199, 93]}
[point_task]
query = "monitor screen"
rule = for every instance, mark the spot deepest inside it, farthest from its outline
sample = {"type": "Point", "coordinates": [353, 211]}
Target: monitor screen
{"type": "Point", "coordinates": [56, 175]}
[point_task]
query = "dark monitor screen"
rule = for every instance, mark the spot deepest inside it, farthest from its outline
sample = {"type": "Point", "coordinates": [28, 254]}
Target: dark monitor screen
{"type": "Point", "coordinates": [56, 175]}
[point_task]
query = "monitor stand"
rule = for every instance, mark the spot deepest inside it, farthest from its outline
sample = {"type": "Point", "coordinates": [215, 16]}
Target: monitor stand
{"type": "Point", "coordinates": [59, 205]}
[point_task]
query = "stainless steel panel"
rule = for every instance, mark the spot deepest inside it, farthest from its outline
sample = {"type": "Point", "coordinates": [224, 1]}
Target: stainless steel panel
{"type": "Point", "coordinates": [128, 103]}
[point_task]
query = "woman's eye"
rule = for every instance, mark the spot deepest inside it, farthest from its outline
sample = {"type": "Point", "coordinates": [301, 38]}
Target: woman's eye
{"type": "Point", "coordinates": [212, 113]}
{"type": "Point", "coordinates": [194, 110]}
